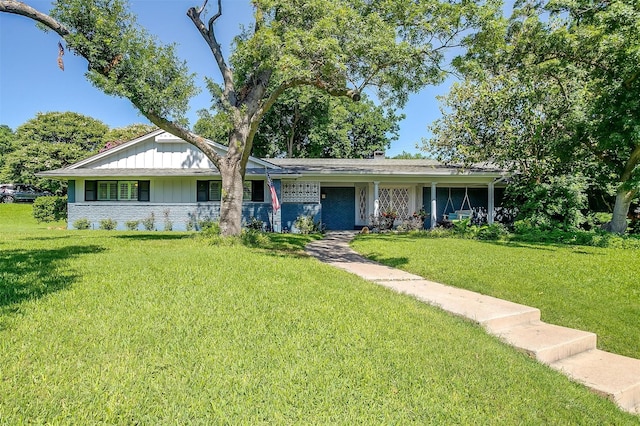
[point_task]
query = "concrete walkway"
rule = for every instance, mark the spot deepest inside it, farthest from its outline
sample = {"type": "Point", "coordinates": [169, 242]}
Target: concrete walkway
{"type": "Point", "coordinates": [573, 352]}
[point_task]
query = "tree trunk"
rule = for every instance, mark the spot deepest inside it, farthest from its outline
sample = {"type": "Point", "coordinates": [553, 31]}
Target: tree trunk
{"type": "Point", "coordinates": [231, 200]}
{"type": "Point", "coordinates": [624, 196]}
{"type": "Point", "coordinates": [618, 222]}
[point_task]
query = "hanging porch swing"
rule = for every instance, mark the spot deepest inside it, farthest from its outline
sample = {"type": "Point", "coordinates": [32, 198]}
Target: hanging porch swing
{"type": "Point", "coordinates": [461, 213]}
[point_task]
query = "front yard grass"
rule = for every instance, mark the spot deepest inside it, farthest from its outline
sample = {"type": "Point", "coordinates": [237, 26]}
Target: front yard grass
{"type": "Point", "coordinates": [157, 328]}
{"type": "Point", "coordinates": [587, 288]}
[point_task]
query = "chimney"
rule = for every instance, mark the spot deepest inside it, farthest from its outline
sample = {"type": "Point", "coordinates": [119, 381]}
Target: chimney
{"type": "Point", "coordinates": [378, 155]}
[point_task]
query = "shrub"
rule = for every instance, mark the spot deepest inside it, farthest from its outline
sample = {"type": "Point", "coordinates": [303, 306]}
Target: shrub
{"type": "Point", "coordinates": [494, 231]}
{"type": "Point", "coordinates": [306, 225]}
{"type": "Point", "coordinates": [210, 232]}
{"type": "Point", "coordinates": [132, 225]}
{"type": "Point", "coordinates": [168, 224]}
{"type": "Point", "coordinates": [414, 223]}
{"type": "Point", "coordinates": [254, 238]}
{"type": "Point", "coordinates": [600, 218]}
{"type": "Point", "coordinates": [464, 229]}
{"type": "Point", "coordinates": [255, 224]}
{"type": "Point", "coordinates": [82, 223]}
{"type": "Point", "coordinates": [554, 203]}
{"type": "Point", "coordinates": [149, 222]}
{"type": "Point", "coordinates": [50, 209]}
{"type": "Point", "coordinates": [108, 224]}
{"type": "Point", "coordinates": [209, 227]}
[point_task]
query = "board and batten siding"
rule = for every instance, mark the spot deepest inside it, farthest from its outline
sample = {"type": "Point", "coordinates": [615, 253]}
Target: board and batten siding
{"type": "Point", "coordinates": [153, 155]}
{"type": "Point", "coordinates": [173, 190]}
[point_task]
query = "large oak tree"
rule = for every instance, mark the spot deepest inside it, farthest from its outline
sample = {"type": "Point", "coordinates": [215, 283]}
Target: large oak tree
{"type": "Point", "coordinates": [556, 91]}
{"type": "Point", "coordinates": [338, 46]}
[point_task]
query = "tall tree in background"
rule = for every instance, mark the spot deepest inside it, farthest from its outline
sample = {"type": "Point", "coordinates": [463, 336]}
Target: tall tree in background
{"type": "Point", "coordinates": [338, 46]}
{"type": "Point", "coordinates": [49, 141]}
{"type": "Point", "coordinates": [308, 123]}
{"type": "Point", "coordinates": [404, 155]}
{"type": "Point", "coordinates": [64, 127]}
{"type": "Point", "coordinates": [7, 142]}
{"type": "Point", "coordinates": [558, 93]}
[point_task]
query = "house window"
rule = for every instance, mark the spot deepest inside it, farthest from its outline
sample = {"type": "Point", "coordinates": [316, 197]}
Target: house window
{"type": "Point", "coordinates": [211, 190]}
{"type": "Point", "coordinates": [107, 190]}
{"type": "Point", "coordinates": [254, 191]}
{"type": "Point", "coordinates": [112, 190]}
{"type": "Point", "coordinates": [128, 190]}
{"type": "Point", "coordinates": [208, 190]}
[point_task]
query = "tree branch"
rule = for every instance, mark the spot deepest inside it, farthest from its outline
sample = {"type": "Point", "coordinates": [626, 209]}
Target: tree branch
{"type": "Point", "coordinates": [631, 164]}
{"type": "Point", "coordinates": [268, 103]}
{"type": "Point", "coordinates": [19, 8]}
{"type": "Point", "coordinates": [188, 136]}
{"type": "Point", "coordinates": [215, 17]}
{"type": "Point", "coordinates": [209, 36]}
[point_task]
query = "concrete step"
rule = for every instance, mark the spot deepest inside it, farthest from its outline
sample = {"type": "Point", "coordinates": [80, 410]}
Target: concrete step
{"type": "Point", "coordinates": [490, 312]}
{"type": "Point", "coordinates": [614, 376]}
{"type": "Point", "coordinates": [547, 342]}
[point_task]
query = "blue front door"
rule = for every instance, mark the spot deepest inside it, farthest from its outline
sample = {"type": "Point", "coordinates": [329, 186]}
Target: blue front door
{"type": "Point", "coordinates": [338, 208]}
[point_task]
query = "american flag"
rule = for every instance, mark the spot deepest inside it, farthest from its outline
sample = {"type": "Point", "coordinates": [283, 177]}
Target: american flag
{"type": "Point", "coordinates": [274, 196]}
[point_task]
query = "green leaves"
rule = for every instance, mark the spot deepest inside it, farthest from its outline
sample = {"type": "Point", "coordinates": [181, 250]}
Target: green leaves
{"type": "Point", "coordinates": [308, 123]}
{"type": "Point", "coordinates": [124, 60]}
{"type": "Point", "coordinates": [394, 46]}
{"type": "Point", "coordinates": [558, 94]}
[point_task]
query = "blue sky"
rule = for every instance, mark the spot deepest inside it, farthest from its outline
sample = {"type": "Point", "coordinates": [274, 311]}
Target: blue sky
{"type": "Point", "coordinates": [30, 81]}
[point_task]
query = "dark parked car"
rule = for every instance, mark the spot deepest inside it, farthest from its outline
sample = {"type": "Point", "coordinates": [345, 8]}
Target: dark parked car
{"type": "Point", "coordinates": [12, 192]}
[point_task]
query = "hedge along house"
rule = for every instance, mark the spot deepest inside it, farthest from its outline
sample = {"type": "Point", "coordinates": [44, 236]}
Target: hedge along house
{"type": "Point", "coordinates": [162, 177]}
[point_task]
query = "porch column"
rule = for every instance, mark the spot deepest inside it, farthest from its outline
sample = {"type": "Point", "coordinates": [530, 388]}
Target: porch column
{"type": "Point", "coordinates": [434, 207]}
{"type": "Point", "coordinates": [490, 204]}
{"type": "Point", "coordinates": [376, 200]}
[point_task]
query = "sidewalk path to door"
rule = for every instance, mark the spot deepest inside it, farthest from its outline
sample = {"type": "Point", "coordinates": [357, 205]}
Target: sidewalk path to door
{"type": "Point", "coordinates": [572, 352]}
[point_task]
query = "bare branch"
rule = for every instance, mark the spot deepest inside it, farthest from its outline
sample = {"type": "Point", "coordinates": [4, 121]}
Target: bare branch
{"type": "Point", "coordinates": [203, 6]}
{"type": "Point", "coordinates": [19, 8]}
{"type": "Point", "coordinates": [215, 17]}
{"type": "Point", "coordinates": [209, 36]}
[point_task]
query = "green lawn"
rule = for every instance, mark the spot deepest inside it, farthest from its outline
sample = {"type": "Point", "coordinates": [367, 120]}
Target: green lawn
{"type": "Point", "coordinates": [163, 328]}
{"type": "Point", "coordinates": [588, 288]}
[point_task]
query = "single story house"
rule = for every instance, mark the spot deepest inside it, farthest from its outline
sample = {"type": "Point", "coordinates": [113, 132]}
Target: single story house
{"type": "Point", "coordinates": [159, 175]}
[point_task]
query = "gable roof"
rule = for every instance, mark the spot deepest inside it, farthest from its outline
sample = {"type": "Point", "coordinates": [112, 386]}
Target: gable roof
{"type": "Point", "coordinates": [159, 153]}
{"type": "Point", "coordinates": [159, 136]}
